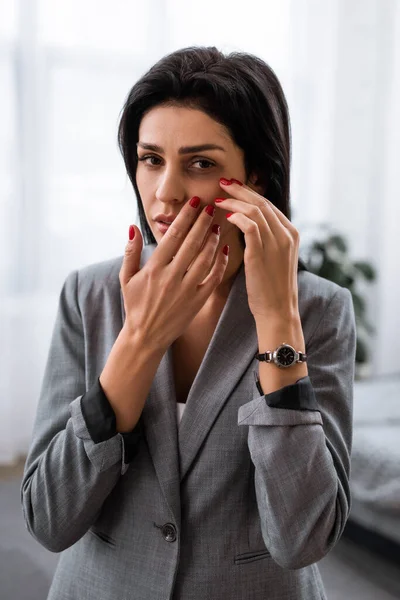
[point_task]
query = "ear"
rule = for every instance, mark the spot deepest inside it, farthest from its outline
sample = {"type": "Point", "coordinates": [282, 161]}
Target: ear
{"type": "Point", "coordinates": [254, 183]}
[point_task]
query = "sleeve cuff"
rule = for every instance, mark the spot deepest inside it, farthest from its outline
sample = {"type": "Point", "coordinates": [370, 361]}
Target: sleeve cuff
{"type": "Point", "coordinates": [101, 423]}
{"type": "Point", "coordinates": [98, 414]}
{"type": "Point", "coordinates": [298, 396]}
{"type": "Point", "coordinates": [131, 442]}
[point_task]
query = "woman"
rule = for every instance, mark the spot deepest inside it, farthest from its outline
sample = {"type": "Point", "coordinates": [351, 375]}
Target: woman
{"type": "Point", "coordinates": [243, 496]}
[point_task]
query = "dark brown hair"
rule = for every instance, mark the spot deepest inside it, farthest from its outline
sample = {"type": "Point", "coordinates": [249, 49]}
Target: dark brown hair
{"type": "Point", "coordinates": [238, 90]}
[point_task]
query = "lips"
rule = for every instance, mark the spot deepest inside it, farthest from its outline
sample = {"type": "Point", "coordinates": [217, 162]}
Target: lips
{"type": "Point", "coordinates": [163, 227]}
{"type": "Point", "coordinates": [163, 218]}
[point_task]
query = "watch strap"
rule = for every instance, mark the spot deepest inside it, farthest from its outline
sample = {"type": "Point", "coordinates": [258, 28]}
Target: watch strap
{"type": "Point", "coordinates": [267, 357]}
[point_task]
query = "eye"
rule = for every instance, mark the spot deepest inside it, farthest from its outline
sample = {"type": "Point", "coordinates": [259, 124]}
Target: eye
{"type": "Point", "coordinates": [150, 159]}
{"type": "Point", "coordinates": [204, 164]}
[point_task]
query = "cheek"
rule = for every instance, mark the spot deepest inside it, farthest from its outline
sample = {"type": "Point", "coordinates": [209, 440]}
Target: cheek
{"type": "Point", "coordinates": [142, 181]}
{"type": "Point", "coordinates": [145, 189]}
{"type": "Point", "coordinates": [208, 188]}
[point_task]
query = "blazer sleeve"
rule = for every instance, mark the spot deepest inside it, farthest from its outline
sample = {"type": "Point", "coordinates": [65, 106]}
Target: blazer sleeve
{"type": "Point", "coordinates": [68, 475]}
{"type": "Point", "coordinates": [300, 440]}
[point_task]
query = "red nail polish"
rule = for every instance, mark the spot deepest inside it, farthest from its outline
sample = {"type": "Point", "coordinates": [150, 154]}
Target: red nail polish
{"type": "Point", "coordinates": [225, 181]}
{"type": "Point", "coordinates": [195, 201]}
{"type": "Point", "coordinates": [225, 249]}
{"type": "Point", "coordinates": [219, 199]}
{"type": "Point", "coordinates": [228, 215]}
{"type": "Point", "coordinates": [210, 210]}
{"type": "Point", "coordinates": [236, 181]}
{"type": "Point", "coordinates": [216, 228]}
{"type": "Point", "coordinates": [131, 232]}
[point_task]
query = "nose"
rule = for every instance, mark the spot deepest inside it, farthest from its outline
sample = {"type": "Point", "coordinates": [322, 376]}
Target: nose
{"type": "Point", "coordinates": [170, 188]}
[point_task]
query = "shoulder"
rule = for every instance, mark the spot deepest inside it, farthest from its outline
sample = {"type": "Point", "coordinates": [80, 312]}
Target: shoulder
{"type": "Point", "coordinates": [100, 278]}
{"type": "Point", "coordinates": [319, 297]}
{"type": "Point", "coordinates": [314, 288]}
{"type": "Point", "coordinates": [100, 274]}
{"type": "Point", "coordinates": [89, 282]}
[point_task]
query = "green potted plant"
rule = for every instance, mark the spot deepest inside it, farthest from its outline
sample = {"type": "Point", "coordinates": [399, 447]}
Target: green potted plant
{"type": "Point", "coordinates": [328, 256]}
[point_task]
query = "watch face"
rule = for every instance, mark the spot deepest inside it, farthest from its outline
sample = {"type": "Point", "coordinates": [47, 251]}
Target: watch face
{"type": "Point", "coordinates": [286, 356]}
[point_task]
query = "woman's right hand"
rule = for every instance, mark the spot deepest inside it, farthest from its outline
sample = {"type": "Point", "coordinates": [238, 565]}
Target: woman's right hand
{"type": "Point", "coordinates": [163, 297]}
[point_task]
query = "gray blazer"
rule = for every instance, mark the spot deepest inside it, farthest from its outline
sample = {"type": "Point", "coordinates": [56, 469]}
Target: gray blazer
{"type": "Point", "coordinates": [239, 502]}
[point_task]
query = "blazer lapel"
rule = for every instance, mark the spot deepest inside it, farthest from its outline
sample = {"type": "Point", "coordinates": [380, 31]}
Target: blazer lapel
{"type": "Point", "coordinates": [231, 350]}
{"type": "Point", "coordinates": [161, 432]}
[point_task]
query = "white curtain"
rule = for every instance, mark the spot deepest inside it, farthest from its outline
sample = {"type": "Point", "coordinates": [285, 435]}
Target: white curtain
{"type": "Point", "coordinates": [65, 200]}
{"type": "Point", "coordinates": [346, 121]}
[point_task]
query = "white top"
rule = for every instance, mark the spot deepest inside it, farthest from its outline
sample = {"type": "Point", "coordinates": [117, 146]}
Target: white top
{"type": "Point", "coordinates": [180, 407]}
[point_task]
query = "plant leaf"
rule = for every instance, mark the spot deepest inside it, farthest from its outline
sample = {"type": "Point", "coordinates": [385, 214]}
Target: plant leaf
{"type": "Point", "coordinates": [366, 269]}
{"type": "Point", "coordinates": [339, 242]}
{"type": "Point", "coordinates": [334, 271]}
{"type": "Point", "coordinates": [359, 304]}
{"type": "Point", "coordinates": [361, 351]}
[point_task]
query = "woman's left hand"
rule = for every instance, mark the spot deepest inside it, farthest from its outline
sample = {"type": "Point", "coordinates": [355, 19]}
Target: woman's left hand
{"type": "Point", "coordinates": [271, 254]}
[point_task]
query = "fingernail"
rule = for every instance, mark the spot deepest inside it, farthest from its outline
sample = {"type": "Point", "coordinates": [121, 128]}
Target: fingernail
{"type": "Point", "coordinates": [210, 210]}
{"type": "Point", "coordinates": [236, 181]}
{"type": "Point", "coordinates": [219, 199]}
{"type": "Point", "coordinates": [216, 228]}
{"type": "Point", "coordinates": [225, 181]}
{"type": "Point", "coordinates": [131, 232]}
{"type": "Point", "coordinates": [195, 201]}
{"type": "Point", "coordinates": [225, 249]}
{"type": "Point", "coordinates": [228, 215]}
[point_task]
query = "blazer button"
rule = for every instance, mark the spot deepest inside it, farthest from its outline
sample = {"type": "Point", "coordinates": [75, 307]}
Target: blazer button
{"type": "Point", "coordinates": [169, 532]}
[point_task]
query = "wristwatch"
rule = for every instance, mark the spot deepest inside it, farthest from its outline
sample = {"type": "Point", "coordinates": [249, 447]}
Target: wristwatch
{"type": "Point", "coordinates": [284, 356]}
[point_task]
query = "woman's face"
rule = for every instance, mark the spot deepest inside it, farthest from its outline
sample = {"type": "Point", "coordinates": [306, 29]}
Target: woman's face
{"type": "Point", "coordinates": [182, 152]}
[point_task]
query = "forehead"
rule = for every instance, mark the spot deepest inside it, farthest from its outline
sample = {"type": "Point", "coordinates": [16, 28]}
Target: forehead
{"type": "Point", "coordinates": [182, 126]}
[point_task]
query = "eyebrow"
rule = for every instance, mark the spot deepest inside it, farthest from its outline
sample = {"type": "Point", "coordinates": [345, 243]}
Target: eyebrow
{"type": "Point", "coordinates": [183, 149]}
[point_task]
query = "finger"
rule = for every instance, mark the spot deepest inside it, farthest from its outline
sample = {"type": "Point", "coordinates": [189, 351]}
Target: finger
{"type": "Point", "coordinates": [133, 251]}
{"type": "Point", "coordinates": [246, 196]}
{"type": "Point", "coordinates": [214, 278]}
{"type": "Point", "coordinates": [202, 262]}
{"type": "Point", "coordinates": [235, 188]}
{"type": "Point", "coordinates": [192, 247]}
{"type": "Point", "coordinates": [253, 239]}
{"type": "Point", "coordinates": [266, 224]}
{"type": "Point", "coordinates": [175, 235]}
